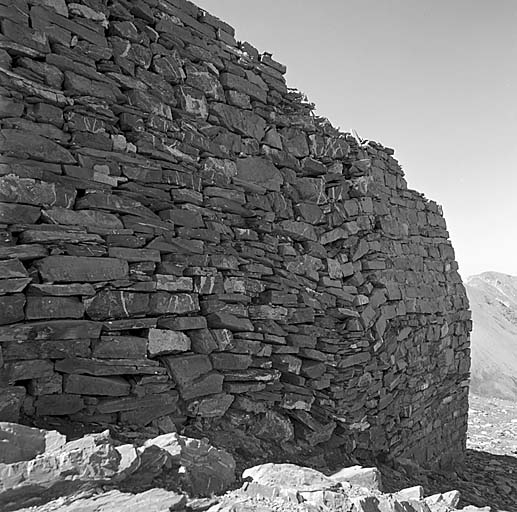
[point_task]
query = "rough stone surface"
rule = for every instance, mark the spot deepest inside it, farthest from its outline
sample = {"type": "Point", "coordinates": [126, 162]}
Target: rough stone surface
{"type": "Point", "coordinates": [185, 242]}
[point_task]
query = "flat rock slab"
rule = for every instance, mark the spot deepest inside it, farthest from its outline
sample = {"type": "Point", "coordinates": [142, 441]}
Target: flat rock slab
{"type": "Point", "coordinates": [101, 367]}
{"type": "Point", "coordinates": [153, 500]}
{"type": "Point", "coordinates": [100, 386]}
{"type": "Point", "coordinates": [52, 329]}
{"type": "Point", "coordinates": [117, 304]}
{"type": "Point", "coordinates": [289, 476]}
{"type": "Point", "coordinates": [82, 218]}
{"type": "Point", "coordinates": [81, 268]}
{"type": "Point", "coordinates": [27, 144]}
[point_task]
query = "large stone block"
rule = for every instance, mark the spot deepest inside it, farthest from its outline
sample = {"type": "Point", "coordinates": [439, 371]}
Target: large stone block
{"type": "Point", "coordinates": [242, 122]}
{"type": "Point", "coordinates": [134, 403]}
{"type": "Point", "coordinates": [101, 367]}
{"type": "Point", "coordinates": [25, 370]}
{"type": "Point", "coordinates": [81, 268]}
{"type": "Point", "coordinates": [52, 329]}
{"type": "Point", "coordinates": [209, 384]}
{"type": "Point", "coordinates": [162, 303]}
{"type": "Point", "coordinates": [120, 347]}
{"type": "Point", "coordinates": [11, 213]}
{"type": "Point", "coordinates": [53, 307]}
{"type": "Point", "coordinates": [115, 304]}
{"type": "Point", "coordinates": [231, 81]}
{"type": "Point", "coordinates": [46, 349]}
{"type": "Point", "coordinates": [25, 144]}
{"type": "Point", "coordinates": [259, 171]}
{"type": "Point", "coordinates": [114, 203]}
{"type": "Point", "coordinates": [93, 218]}
{"type": "Point", "coordinates": [228, 321]}
{"type": "Point", "coordinates": [185, 369]}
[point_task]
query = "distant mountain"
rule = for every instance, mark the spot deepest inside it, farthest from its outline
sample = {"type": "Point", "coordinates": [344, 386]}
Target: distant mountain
{"type": "Point", "coordinates": [493, 300]}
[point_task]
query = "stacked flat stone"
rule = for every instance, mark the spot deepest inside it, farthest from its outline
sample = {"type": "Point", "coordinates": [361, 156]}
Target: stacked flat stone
{"type": "Point", "coordinates": [182, 238]}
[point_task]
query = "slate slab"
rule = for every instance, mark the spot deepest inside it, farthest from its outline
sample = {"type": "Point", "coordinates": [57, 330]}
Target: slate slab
{"type": "Point", "coordinates": [81, 269]}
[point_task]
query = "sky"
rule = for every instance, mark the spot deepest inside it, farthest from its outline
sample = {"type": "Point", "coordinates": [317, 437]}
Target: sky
{"type": "Point", "coordinates": [436, 80]}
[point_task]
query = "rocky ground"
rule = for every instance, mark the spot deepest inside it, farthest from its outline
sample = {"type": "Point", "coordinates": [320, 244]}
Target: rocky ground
{"type": "Point", "coordinates": [493, 425]}
{"type": "Point", "coordinates": [41, 472]}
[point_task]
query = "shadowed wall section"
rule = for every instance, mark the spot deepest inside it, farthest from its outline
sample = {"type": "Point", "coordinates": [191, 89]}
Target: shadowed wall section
{"type": "Point", "coordinates": [184, 242]}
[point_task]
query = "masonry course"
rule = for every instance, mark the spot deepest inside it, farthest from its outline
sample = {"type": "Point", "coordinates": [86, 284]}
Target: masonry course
{"type": "Point", "coordinates": [183, 238]}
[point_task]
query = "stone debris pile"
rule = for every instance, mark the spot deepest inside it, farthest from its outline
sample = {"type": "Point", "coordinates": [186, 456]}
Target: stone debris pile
{"type": "Point", "coordinates": [184, 241]}
{"type": "Point", "coordinates": [41, 472]}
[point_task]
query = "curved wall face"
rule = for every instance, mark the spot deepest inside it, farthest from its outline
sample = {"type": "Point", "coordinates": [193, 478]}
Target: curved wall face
{"type": "Point", "coordinates": [184, 241]}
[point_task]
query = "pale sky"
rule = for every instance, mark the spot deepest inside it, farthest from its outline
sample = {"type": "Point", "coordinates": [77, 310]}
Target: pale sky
{"type": "Point", "coordinates": [434, 79]}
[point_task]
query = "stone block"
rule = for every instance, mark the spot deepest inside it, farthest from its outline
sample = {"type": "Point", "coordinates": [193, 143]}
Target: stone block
{"type": "Point", "coordinates": [171, 283]}
{"type": "Point", "coordinates": [134, 255]}
{"type": "Point", "coordinates": [53, 307]}
{"type": "Point", "coordinates": [223, 361]}
{"type": "Point", "coordinates": [11, 213]}
{"type": "Point", "coordinates": [120, 347]}
{"type": "Point", "coordinates": [185, 369]}
{"type": "Point", "coordinates": [26, 144]}
{"type": "Point", "coordinates": [53, 384]}
{"type": "Point", "coordinates": [229, 321]}
{"type": "Point", "coordinates": [13, 285]}
{"type": "Point", "coordinates": [11, 400]}
{"type": "Point", "coordinates": [102, 367]}
{"type": "Point", "coordinates": [231, 81]}
{"type": "Point", "coordinates": [116, 304]}
{"type": "Point", "coordinates": [357, 475]}
{"type": "Point", "coordinates": [163, 303]}
{"type": "Point", "coordinates": [46, 349]}
{"type": "Point", "coordinates": [12, 308]}
{"type": "Point", "coordinates": [131, 403]}
{"type": "Point", "coordinates": [89, 218]}
{"type": "Point", "coordinates": [100, 386]}
{"type": "Point", "coordinates": [242, 122]}
{"type": "Point", "coordinates": [81, 268]}
{"type": "Point", "coordinates": [52, 329]}
{"type": "Point", "coordinates": [212, 406]}
{"type": "Point", "coordinates": [203, 341]}
{"type": "Point", "coordinates": [183, 323]}
{"type": "Point", "coordinates": [164, 341]}
{"type": "Point", "coordinates": [58, 405]}
{"type": "Point", "coordinates": [259, 171]}
{"type": "Point", "coordinates": [209, 384]}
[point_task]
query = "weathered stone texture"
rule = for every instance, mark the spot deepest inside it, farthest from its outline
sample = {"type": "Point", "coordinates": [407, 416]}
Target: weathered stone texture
{"type": "Point", "coordinates": [183, 238]}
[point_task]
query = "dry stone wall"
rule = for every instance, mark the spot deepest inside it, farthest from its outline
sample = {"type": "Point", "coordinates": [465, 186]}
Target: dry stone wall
{"type": "Point", "coordinates": [183, 240]}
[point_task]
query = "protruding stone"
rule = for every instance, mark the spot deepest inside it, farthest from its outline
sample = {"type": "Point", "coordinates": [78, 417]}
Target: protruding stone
{"type": "Point", "coordinates": [163, 341]}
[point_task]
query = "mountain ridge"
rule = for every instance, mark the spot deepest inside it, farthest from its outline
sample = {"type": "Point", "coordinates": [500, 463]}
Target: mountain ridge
{"type": "Point", "coordinates": [493, 301]}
